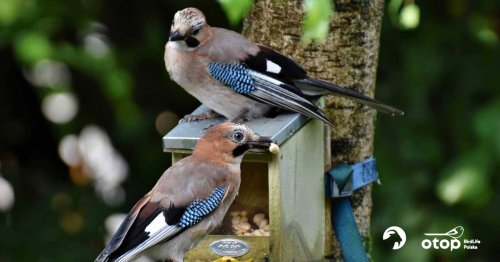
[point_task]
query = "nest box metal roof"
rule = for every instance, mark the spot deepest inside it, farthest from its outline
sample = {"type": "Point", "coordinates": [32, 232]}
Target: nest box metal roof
{"type": "Point", "coordinates": [185, 135]}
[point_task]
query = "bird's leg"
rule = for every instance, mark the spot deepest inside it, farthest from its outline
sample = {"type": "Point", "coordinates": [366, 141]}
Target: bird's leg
{"type": "Point", "coordinates": [206, 115]}
{"type": "Point", "coordinates": [241, 117]}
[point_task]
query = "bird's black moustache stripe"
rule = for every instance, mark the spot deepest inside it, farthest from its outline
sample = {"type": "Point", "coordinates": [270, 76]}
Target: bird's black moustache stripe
{"type": "Point", "coordinates": [240, 150]}
{"type": "Point", "coordinates": [191, 41]}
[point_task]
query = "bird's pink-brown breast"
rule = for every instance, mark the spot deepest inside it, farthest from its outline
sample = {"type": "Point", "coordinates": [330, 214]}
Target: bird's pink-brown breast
{"type": "Point", "coordinates": [184, 66]}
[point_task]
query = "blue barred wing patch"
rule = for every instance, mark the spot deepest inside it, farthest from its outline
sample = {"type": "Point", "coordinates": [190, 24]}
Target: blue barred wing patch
{"type": "Point", "coordinates": [199, 208]}
{"type": "Point", "coordinates": [235, 76]}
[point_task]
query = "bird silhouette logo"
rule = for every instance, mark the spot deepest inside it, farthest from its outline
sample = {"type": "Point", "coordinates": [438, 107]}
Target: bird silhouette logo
{"type": "Point", "coordinates": [395, 230]}
{"type": "Point", "coordinates": [453, 233]}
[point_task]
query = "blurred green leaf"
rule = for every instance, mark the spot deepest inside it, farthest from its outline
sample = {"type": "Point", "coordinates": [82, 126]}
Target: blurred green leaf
{"type": "Point", "coordinates": [118, 85]}
{"type": "Point", "coordinates": [317, 19]}
{"type": "Point", "coordinates": [467, 180]}
{"type": "Point", "coordinates": [482, 30]}
{"type": "Point", "coordinates": [14, 11]}
{"type": "Point", "coordinates": [487, 126]}
{"type": "Point", "coordinates": [404, 15]}
{"type": "Point", "coordinates": [32, 46]}
{"type": "Point", "coordinates": [393, 9]}
{"type": "Point", "coordinates": [236, 9]}
{"type": "Point", "coordinates": [410, 16]}
{"type": "Point", "coordinates": [8, 11]}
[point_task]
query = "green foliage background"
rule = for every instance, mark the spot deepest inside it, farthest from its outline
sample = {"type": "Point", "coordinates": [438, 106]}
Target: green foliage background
{"type": "Point", "coordinates": [439, 61]}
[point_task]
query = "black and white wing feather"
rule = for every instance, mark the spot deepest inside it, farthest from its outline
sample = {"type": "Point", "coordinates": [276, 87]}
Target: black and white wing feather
{"type": "Point", "coordinates": [264, 88]}
{"type": "Point", "coordinates": [290, 76]}
{"type": "Point", "coordinates": [149, 224]}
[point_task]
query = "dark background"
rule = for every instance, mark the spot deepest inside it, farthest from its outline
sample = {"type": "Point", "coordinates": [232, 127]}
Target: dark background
{"type": "Point", "coordinates": [438, 163]}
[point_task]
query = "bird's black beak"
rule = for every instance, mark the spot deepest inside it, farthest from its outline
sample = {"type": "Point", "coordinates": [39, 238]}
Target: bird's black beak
{"type": "Point", "coordinates": [262, 142]}
{"type": "Point", "coordinates": [176, 36]}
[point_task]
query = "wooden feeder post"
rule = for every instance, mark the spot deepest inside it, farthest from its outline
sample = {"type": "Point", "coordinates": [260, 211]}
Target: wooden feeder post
{"type": "Point", "coordinates": [288, 188]}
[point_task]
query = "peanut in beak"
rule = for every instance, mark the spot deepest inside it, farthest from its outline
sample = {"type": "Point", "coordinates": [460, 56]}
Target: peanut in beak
{"type": "Point", "coordinates": [273, 148]}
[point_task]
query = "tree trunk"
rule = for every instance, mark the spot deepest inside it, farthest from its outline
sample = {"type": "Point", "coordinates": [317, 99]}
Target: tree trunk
{"type": "Point", "coordinates": [348, 58]}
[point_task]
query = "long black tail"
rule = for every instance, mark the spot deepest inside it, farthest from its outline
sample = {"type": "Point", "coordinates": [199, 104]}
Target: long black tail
{"type": "Point", "coordinates": [373, 103]}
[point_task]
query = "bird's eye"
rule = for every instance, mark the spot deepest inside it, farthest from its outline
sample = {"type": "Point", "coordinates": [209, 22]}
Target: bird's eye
{"type": "Point", "coordinates": [195, 32]}
{"type": "Point", "coordinates": [238, 136]}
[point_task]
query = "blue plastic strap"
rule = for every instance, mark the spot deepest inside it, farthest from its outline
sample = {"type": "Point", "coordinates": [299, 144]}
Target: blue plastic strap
{"type": "Point", "coordinates": [342, 180]}
{"type": "Point", "coordinates": [347, 231]}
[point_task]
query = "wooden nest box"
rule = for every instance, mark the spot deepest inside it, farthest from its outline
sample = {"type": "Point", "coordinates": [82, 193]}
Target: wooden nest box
{"type": "Point", "coordinates": [287, 188]}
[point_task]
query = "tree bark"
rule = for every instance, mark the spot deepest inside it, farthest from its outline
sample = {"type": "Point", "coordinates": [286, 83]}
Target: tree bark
{"type": "Point", "coordinates": [348, 58]}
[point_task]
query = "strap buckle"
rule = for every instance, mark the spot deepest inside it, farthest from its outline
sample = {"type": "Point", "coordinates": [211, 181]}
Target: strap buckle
{"type": "Point", "coordinates": [342, 180]}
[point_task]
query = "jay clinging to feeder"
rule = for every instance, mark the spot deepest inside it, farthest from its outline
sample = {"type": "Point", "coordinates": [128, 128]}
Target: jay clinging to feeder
{"type": "Point", "coordinates": [242, 80]}
{"type": "Point", "coordinates": [189, 200]}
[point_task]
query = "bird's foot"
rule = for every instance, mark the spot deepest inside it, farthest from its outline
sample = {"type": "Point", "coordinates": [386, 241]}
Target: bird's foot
{"type": "Point", "coordinates": [191, 118]}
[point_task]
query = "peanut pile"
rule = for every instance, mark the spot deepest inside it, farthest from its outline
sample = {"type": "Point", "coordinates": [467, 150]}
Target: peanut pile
{"type": "Point", "coordinates": [242, 227]}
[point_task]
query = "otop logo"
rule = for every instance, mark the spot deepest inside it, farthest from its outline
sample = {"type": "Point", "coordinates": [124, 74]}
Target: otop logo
{"type": "Point", "coordinates": [448, 240]}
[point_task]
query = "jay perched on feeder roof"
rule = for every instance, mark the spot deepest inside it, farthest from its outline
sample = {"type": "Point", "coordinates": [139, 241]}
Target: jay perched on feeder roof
{"type": "Point", "coordinates": [189, 200]}
{"type": "Point", "coordinates": [242, 80]}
